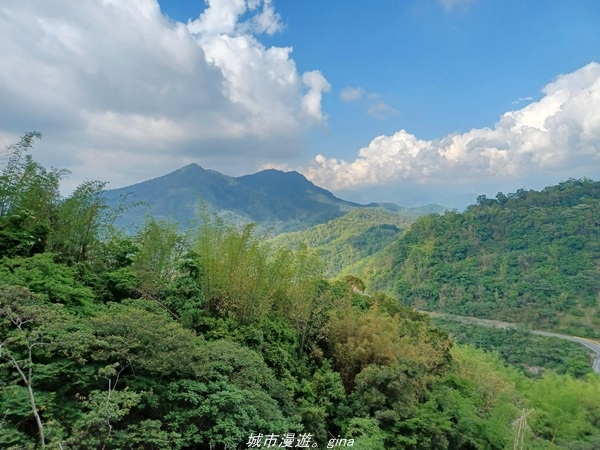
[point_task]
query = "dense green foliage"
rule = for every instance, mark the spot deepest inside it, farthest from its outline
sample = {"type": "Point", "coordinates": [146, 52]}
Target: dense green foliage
{"type": "Point", "coordinates": [203, 339]}
{"type": "Point", "coordinates": [521, 348]}
{"type": "Point", "coordinates": [530, 257]}
{"type": "Point", "coordinates": [351, 238]}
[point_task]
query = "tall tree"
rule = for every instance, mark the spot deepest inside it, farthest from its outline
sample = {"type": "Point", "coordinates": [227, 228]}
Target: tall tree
{"type": "Point", "coordinates": [31, 328]}
{"type": "Point", "coordinates": [29, 194]}
{"type": "Point", "coordinates": [80, 222]}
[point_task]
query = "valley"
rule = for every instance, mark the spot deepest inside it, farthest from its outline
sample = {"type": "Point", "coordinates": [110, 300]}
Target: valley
{"type": "Point", "coordinates": [594, 346]}
{"type": "Point", "coordinates": [208, 334]}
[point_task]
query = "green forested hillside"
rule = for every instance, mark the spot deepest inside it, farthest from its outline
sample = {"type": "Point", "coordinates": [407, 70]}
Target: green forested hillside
{"type": "Point", "coordinates": [279, 201]}
{"type": "Point", "coordinates": [350, 238]}
{"type": "Point", "coordinates": [529, 257]}
{"type": "Point", "coordinates": [214, 340]}
{"type": "Point", "coordinates": [519, 347]}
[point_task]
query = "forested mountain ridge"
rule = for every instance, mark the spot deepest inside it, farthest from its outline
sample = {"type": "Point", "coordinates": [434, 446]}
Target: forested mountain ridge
{"type": "Point", "coordinates": [530, 257]}
{"type": "Point", "coordinates": [214, 340]}
{"type": "Point", "coordinates": [275, 200]}
{"type": "Point", "coordinates": [348, 240]}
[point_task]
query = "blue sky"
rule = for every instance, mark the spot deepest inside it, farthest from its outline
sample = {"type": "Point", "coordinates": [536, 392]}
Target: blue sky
{"type": "Point", "coordinates": [443, 69]}
{"type": "Point", "coordinates": [410, 101]}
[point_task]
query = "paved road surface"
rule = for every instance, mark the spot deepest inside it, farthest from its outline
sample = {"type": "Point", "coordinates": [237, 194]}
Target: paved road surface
{"type": "Point", "coordinates": [592, 345]}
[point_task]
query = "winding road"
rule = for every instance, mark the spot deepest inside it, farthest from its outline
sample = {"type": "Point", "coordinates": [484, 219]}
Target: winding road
{"type": "Point", "coordinates": [592, 345]}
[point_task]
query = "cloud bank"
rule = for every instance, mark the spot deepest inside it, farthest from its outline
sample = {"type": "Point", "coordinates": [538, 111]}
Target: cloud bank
{"type": "Point", "coordinates": [118, 88]}
{"type": "Point", "coordinates": [559, 134]}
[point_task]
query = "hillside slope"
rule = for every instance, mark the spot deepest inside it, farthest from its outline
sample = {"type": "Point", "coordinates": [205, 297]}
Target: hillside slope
{"type": "Point", "coordinates": [179, 342]}
{"type": "Point", "coordinates": [276, 201]}
{"type": "Point", "coordinates": [530, 257]}
{"type": "Point", "coordinates": [358, 242]}
{"type": "Point", "coordinates": [348, 239]}
{"type": "Point", "coordinates": [283, 201]}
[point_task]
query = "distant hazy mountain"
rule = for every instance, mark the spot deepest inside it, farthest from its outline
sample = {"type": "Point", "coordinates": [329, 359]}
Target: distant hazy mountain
{"type": "Point", "coordinates": [282, 201]}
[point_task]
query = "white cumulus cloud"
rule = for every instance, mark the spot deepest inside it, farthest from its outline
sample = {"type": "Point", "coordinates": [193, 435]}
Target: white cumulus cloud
{"type": "Point", "coordinates": [311, 102]}
{"type": "Point", "coordinates": [559, 133]}
{"type": "Point", "coordinates": [116, 81]}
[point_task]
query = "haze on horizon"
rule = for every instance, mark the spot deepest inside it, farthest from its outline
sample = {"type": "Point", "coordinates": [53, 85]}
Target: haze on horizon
{"type": "Point", "coordinates": [422, 101]}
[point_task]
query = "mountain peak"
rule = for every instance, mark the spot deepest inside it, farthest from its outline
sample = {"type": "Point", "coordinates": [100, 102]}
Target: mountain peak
{"type": "Point", "coordinates": [285, 201]}
{"type": "Point", "coordinates": [274, 179]}
{"type": "Point", "coordinates": [193, 167]}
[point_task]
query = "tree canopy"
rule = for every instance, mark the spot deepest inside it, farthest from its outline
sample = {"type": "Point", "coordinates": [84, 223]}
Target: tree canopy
{"type": "Point", "coordinates": [210, 338]}
{"type": "Point", "coordinates": [529, 257]}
